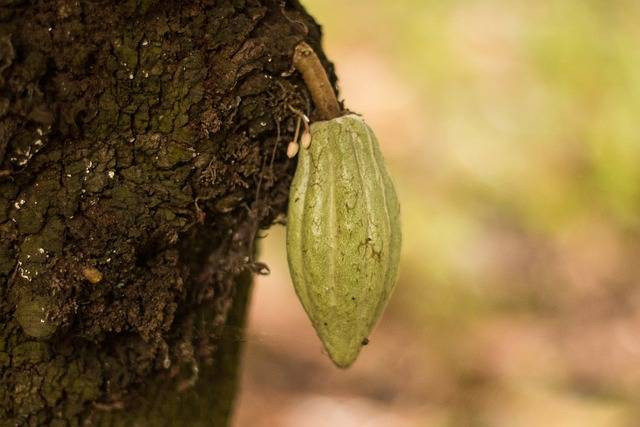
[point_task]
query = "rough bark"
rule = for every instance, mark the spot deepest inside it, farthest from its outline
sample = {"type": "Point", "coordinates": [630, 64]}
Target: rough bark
{"type": "Point", "coordinates": [142, 146]}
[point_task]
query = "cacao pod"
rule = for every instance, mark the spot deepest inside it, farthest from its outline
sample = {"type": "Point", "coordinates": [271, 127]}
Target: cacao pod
{"type": "Point", "coordinates": [343, 234]}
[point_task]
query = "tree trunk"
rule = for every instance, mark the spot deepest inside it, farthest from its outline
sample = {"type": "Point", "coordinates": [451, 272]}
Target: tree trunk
{"type": "Point", "coordinates": [142, 146]}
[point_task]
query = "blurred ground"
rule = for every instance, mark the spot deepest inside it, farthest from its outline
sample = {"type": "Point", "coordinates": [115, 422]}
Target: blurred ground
{"type": "Point", "coordinates": [511, 128]}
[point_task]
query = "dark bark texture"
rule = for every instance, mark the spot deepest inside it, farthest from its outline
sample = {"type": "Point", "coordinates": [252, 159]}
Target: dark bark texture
{"type": "Point", "coordinates": [142, 147]}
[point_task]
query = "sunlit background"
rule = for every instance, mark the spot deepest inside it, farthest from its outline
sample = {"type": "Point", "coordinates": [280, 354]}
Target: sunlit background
{"type": "Point", "coordinates": [512, 129]}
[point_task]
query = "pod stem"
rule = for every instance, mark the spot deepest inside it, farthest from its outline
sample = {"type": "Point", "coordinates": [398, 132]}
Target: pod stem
{"type": "Point", "coordinates": [315, 77]}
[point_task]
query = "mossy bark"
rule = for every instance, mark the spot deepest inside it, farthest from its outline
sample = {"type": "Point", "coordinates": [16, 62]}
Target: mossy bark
{"type": "Point", "coordinates": [142, 146]}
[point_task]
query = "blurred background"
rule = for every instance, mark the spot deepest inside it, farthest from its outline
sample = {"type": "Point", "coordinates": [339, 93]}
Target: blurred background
{"type": "Point", "coordinates": [512, 130]}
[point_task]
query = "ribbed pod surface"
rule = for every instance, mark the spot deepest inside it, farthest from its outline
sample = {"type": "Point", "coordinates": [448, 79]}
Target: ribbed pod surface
{"type": "Point", "coordinates": [343, 234]}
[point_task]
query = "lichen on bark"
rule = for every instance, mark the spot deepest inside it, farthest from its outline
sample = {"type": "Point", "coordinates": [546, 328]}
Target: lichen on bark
{"type": "Point", "coordinates": [144, 140]}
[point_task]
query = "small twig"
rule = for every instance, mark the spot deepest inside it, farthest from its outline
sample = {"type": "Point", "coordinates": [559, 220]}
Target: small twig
{"type": "Point", "coordinates": [315, 77]}
{"type": "Point", "coordinates": [305, 138]}
{"type": "Point", "coordinates": [300, 114]}
{"type": "Point", "coordinates": [273, 152]}
{"type": "Point", "coordinates": [297, 133]}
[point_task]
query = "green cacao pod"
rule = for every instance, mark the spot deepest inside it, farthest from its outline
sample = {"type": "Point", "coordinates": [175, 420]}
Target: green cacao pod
{"type": "Point", "coordinates": [343, 234]}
